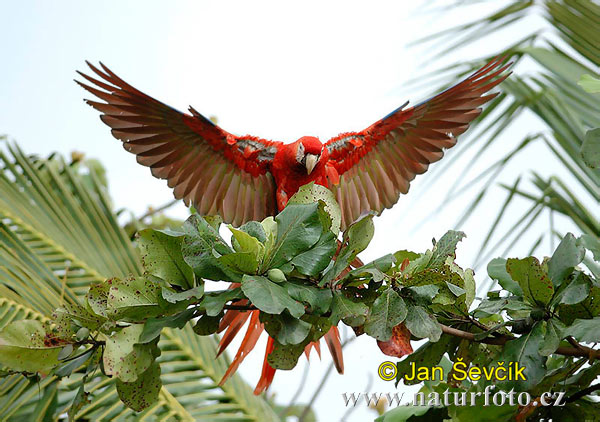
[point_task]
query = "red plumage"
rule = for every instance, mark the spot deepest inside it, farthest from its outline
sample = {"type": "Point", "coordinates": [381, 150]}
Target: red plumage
{"type": "Point", "coordinates": [245, 178]}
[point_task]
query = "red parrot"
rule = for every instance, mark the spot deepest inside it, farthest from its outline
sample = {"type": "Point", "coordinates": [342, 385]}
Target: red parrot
{"type": "Point", "coordinates": [244, 178]}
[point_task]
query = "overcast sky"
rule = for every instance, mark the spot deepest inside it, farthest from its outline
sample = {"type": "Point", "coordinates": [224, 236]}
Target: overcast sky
{"type": "Point", "coordinates": [270, 69]}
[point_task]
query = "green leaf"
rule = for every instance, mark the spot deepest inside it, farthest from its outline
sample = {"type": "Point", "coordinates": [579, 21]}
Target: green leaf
{"type": "Point", "coordinates": [404, 254]}
{"type": "Point", "coordinates": [585, 330]}
{"type": "Point", "coordinates": [286, 356]}
{"type": "Point", "coordinates": [299, 227]}
{"type": "Point", "coordinates": [317, 299]}
{"type": "Point", "coordinates": [286, 329]}
{"type": "Point", "coordinates": [588, 308]}
{"type": "Point", "coordinates": [446, 247]}
{"type": "Point", "coordinates": [525, 352]}
{"type": "Point", "coordinates": [589, 83]}
{"type": "Point", "coordinates": [422, 325]}
{"type": "Point", "coordinates": [495, 305]}
{"type": "Point", "coordinates": [425, 293]}
{"type": "Point", "coordinates": [124, 357]}
{"type": "Point", "coordinates": [256, 230]}
{"type": "Point", "coordinates": [143, 392]}
{"type": "Point", "coordinates": [388, 311]}
{"type": "Point", "coordinates": [343, 308]}
{"type": "Point", "coordinates": [535, 283]}
{"type": "Point", "coordinates": [373, 271]}
{"type": "Point", "coordinates": [270, 297]}
{"type": "Point", "coordinates": [311, 193]}
{"type": "Point", "coordinates": [207, 325]}
{"type": "Point", "coordinates": [468, 278]}
{"type": "Point", "coordinates": [553, 334]}
{"type": "Point", "coordinates": [161, 256]}
{"type": "Point", "coordinates": [22, 347]}
{"type": "Point", "coordinates": [68, 367]}
{"type": "Point", "coordinates": [214, 302]}
{"type": "Point", "coordinates": [318, 257]}
{"type": "Point", "coordinates": [71, 314]}
{"type": "Point", "coordinates": [440, 277]}
{"type": "Point", "coordinates": [172, 296]}
{"type": "Point", "coordinates": [240, 262]}
{"type": "Point", "coordinates": [246, 242]}
{"type": "Point", "coordinates": [200, 240]}
{"type": "Point", "coordinates": [497, 271]}
{"type": "Point", "coordinates": [356, 238]}
{"type": "Point", "coordinates": [154, 326]}
{"type": "Point", "coordinates": [480, 412]}
{"type": "Point", "coordinates": [456, 291]}
{"type": "Point", "coordinates": [97, 297]}
{"type": "Point", "coordinates": [592, 244]}
{"type": "Point", "coordinates": [419, 264]}
{"type": "Point", "coordinates": [133, 299]}
{"type": "Point", "coordinates": [269, 226]}
{"type": "Point", "coordinates": [590, 149]}
{"type": "Point", "coordinates": [567, 255]}
{"type": "Point", "coordinates": [575, 291]}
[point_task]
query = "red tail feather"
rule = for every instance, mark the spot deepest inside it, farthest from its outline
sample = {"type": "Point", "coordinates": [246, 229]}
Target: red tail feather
{"type": "Point", "coordinates": [255, 329]}
{"type": "Point", "coordinates": [332, 338]}
{"type": "Point", "coordinates": [266, 378]}
{"type": "Point", "coordinates": [236, 325]}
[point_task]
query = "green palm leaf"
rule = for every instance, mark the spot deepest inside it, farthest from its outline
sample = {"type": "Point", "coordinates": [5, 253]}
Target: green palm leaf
{"type": "Point", "coordinates": [565, 48]}
{"type": "Point", "coordinates": [58, 235]}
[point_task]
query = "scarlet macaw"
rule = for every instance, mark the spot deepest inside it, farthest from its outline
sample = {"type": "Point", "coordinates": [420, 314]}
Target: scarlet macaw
{"type": "Point", "coordinates": [244, 178]}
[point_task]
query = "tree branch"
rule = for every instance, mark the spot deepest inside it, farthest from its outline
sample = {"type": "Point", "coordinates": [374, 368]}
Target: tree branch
{"type": "Point", "coordinates": [583, 393]}
{"type": "Point", "coordinates": [153, 211]}
{"type": "Point", "coordinates": [241, 307]}
{"type": "Point", "coordinates": [580, 350]}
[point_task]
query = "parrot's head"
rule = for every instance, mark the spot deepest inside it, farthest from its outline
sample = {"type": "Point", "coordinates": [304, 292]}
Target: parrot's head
{"type": "Point", "coordinates": [310, 153]}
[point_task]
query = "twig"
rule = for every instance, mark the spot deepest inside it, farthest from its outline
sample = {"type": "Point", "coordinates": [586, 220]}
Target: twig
{"type": "Point", "coordinates": [153, 211]}
{"type": "Point", "coordinates": [241, 307]}
{"type": "Point", "coordinates": [580, 350]}
{"type": "Point", "coordinates": [574, 343]}
{"type": "Point", "coordinates": [583, 393]}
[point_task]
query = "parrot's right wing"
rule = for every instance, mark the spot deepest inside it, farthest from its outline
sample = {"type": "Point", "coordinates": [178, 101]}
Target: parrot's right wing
{"type": "Point", "coordinates": [377, 164]}
{"type": "Point", "coordinates": [219, 173]}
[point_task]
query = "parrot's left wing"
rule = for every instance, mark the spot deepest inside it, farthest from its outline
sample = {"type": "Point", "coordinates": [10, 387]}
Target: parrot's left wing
{"type": "Point", "coordinates": [377, 164]}
{"type": "Point", "coordinates": [216, 171]}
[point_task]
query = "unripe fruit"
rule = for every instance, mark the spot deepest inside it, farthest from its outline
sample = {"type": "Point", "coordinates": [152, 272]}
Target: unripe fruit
{"type": "Point", "coordinates": [276, 275]}
{"type": "Point", "coordinates": [537, 314]}
{"type": "Point", "coordinates": [82, 334]}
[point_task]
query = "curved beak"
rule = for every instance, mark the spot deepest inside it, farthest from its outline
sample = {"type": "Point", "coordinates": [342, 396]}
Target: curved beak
{"type": "Point", "coordinates": [311, 161]}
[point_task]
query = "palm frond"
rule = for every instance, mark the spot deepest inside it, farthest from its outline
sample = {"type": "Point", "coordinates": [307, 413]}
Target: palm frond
{"type": "Point", "coordinates": [563, 49]}
{"type": "Point", "coordinates": [58, 235]}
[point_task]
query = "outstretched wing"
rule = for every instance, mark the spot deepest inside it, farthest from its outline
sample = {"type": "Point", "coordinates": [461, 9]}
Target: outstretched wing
{"type": "Point", "coordinates": [217, 172]}
{"type": "Point", "coordinates": [377, 164]}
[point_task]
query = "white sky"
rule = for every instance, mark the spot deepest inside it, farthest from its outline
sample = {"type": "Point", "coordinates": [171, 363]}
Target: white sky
{"type": "Point", "coordinates": [271, 69]}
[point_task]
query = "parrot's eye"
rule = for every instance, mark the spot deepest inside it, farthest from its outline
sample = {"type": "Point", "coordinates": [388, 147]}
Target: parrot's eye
{"type": "Point", "coordinates": [300, 153]}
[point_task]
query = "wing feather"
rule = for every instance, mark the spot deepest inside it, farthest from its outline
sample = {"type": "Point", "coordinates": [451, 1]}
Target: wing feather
{"type": "Point", "coordinates": [205, 165]}
{"type": "Point", "coordinates": [377, 165]}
